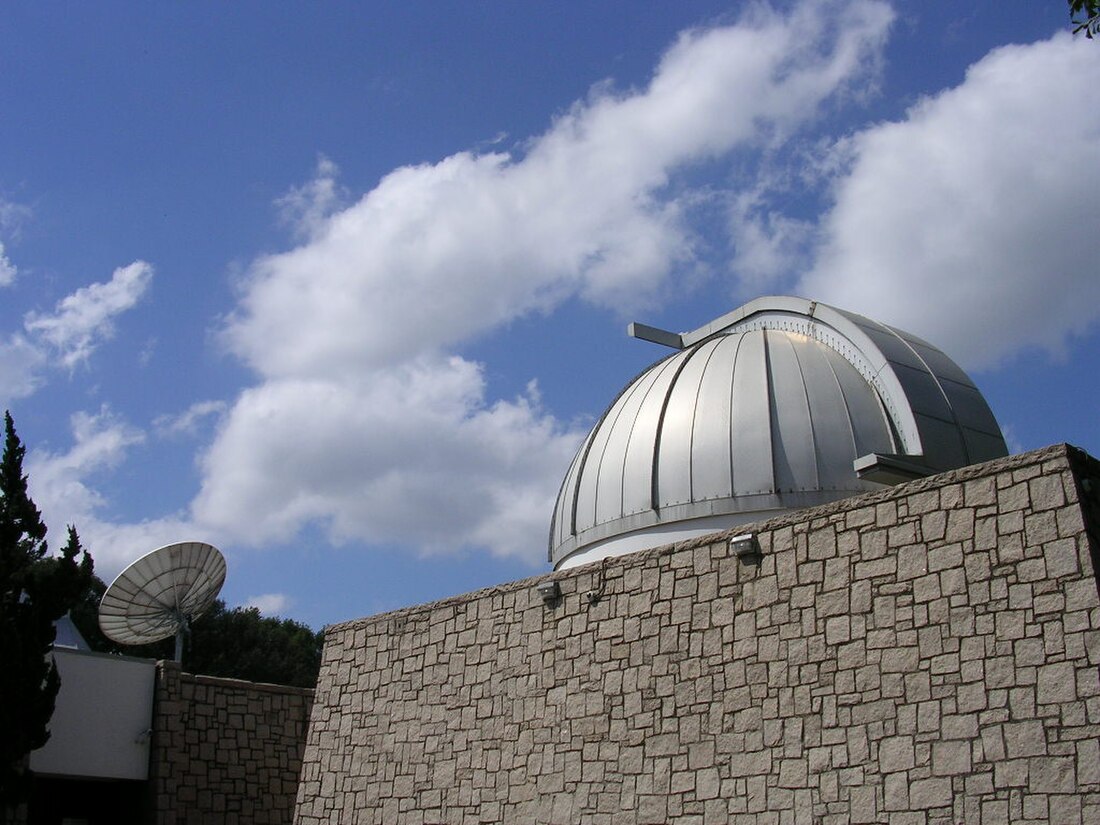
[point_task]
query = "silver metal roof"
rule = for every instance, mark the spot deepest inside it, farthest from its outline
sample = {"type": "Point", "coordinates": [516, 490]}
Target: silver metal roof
{"type": "Point", "coordinates": [781, 404]}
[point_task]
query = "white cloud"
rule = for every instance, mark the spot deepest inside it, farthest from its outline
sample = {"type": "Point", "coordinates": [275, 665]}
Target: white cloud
{"type": "Point", "coordinates": [768, 245]}
{"type": "Point", "coordinates": [187, 422]}
{"type": "Point", "coordinates": [12, 216]}
{"type": "Point", "coordinates": [21, 363]}
{"type": "Point", "coordinates": [361, 424]}
{"type": "Point", "coordinates": [65, 486]}
{"type": "Point", "coordinates": [58, 480]}
{"type": "Point", "coordinates": [306, 208]}
{"type": "Point", "coordinates": [82, 320]}
{"type": "Point", "coordinates": [440, 252]}
{"type": "Point", "coordinates": [62, 484]}
{"type": "Point", "coordinates": [972, 222]}
{"type": "Point", "coordinates": [8, 270]}
{"type": "Point", "coordinates": [411, 456]}
{"type": "Point", "coordinates": [270, 604]}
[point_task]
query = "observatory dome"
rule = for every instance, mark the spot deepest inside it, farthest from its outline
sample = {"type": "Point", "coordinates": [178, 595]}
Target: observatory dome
{"type": "Point", "coordinates": [783, 403]}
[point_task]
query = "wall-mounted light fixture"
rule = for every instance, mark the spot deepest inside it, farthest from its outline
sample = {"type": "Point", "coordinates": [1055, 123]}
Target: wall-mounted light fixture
{"type": "Point", "coordinates": [550, 591]}
{"type": "Point", "coordinates": [746, 548]}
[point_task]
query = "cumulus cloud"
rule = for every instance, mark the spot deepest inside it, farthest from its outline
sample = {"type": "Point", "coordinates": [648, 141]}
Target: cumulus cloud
{"type": "Point", "coordinates": [961, 221]}
{"type": "Point", "coordinates": [82, 320]}
{"type": "Point", "coordinates": [361, 421]}
{"type": "Point", "coordinates": [439, 252]}
{"type": "Point", "coordinates": [972, 221]}
{"type": "Point", "coordinates": [270, 604]}
{"type": "Point", "coordinates": [411, 456]}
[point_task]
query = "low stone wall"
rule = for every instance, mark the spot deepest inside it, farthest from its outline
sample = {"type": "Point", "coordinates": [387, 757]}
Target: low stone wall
{"type": "Point", "coordinates": [225, 751]}
{"type": "Point", "coordinates": [928, 654]}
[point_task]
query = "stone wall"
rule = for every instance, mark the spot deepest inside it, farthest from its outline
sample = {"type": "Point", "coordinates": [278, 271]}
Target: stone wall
{"type": "Point", "coordinates": [928, 654]}
{"type": "Point", "coordinates": [225, 751]}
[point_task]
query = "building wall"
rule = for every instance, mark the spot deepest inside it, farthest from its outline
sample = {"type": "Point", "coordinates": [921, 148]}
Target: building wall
{"type": "Point", "coordinates": [100, 723]}
{"type": "Point", "coordinates": [928, 654]}
{"type": "Point", "coordinates": [225, 750]}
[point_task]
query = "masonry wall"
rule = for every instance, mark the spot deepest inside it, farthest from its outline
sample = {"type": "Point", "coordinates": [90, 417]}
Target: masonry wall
{"type": "Point", "coordinates": [928, 654]}
{"type": "Point", "coordinates": [224, 750]}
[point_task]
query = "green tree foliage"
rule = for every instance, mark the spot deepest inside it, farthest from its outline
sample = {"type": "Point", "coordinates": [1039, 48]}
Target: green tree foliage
{"type": "Point", "coordinates": [242, 644]}
{"type": "Point", "coordinates": [36, 590]}
{"type": "Point", "coordinates": [237, 643]}
{"type": "Point", "coordinates": [1085, 16]}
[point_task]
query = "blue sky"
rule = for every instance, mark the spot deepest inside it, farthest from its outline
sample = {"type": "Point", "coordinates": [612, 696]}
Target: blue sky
{"type": "Point", "coordinates": [339, 289]}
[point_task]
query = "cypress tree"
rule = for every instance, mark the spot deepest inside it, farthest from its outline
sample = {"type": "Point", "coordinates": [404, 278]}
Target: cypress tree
{"type": "Point", "coordinates": [36, 590]}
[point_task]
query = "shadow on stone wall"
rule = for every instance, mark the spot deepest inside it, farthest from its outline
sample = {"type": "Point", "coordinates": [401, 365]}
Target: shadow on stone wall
{"type": "Point", "coordinates": [224, 750]}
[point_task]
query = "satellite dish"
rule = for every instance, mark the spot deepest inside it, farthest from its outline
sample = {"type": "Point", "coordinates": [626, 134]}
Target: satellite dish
{"type": "Point", "coordinates": [159, 594]}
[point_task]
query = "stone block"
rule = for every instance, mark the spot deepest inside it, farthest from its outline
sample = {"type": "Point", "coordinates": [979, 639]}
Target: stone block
{"type": "Point", "coordinates": [896, 753]}
{"type": "Point", "coordinates": [959, 726]}
{"type": "Point", "coordinates": [1029, 652]}
{"type": "Point", "coordinates": [1061, 557]}
{"type": "Point", "coordinates": [896, 792]}
{"type": "Point", "coordinates": [1010, 773]}
{"type": "Point", "coordinates": [980, 492]}
{"type": "Point", "coordinates": [951, 758]}
{"type": "Point", "coordinates": [926, 588]}
{"type": "Point", "coordinates": [875, 567]}
{"type": "Point", "coordinates": [822, 543]}
{"type": "Point", "coordinates": [933, 525]}
{"type": "Point", "coordinates": [1065, 810]}
{"type": "Point", "coordinates": [994, 812]}
{"type": "Point", "coordinates": [912, 561]}
{"type": "Point", "coordinates": [1040, 528]}
{"type": "Point", "coordinates": [1057, 682]}
{"type": "Point", "coordinates": [1088, 762]}
{"type": "Point", "coordinates": [946, 557]}
{"type": "Point", "coordinates": [1046, 493]}
{"type": "Point", "coordinates": [900, 659]}
{"type": "Point", "coordinates": [945, 663]}
{"type": "Point", "coordinates": [1014, 497]}
{"type": "Point", "coordinates": [971, 697]}
{"type": "Point", "coordinates": [1051, 774]}
{"type": "Point", "coordinates": [1025, 738]}
{"type": "Point", "coordinates": [960, 525]}
{"type": "Point", "coordinates": [1080, 595]}
{"type": "Point", "coordinates": [863, 804]}
{"type": "Point", "coordinates": [793, 773]}
{"type": "Point", "coordinates": [1010, 549]}
{"type": "Point", "coordinates": [837, 630]}
{"type": "Point", "coordinates": [930, 793]}
{"type": "Point", "coordinates": [1011, 624]}
{"type": "Point", "coordinates": [652, 809]}
{"type": "Point", "coordinates": [707, 784]}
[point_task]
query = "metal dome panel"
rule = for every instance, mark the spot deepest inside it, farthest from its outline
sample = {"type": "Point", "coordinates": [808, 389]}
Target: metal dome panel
{"type": "Point", "coordinates": [768, 408]}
